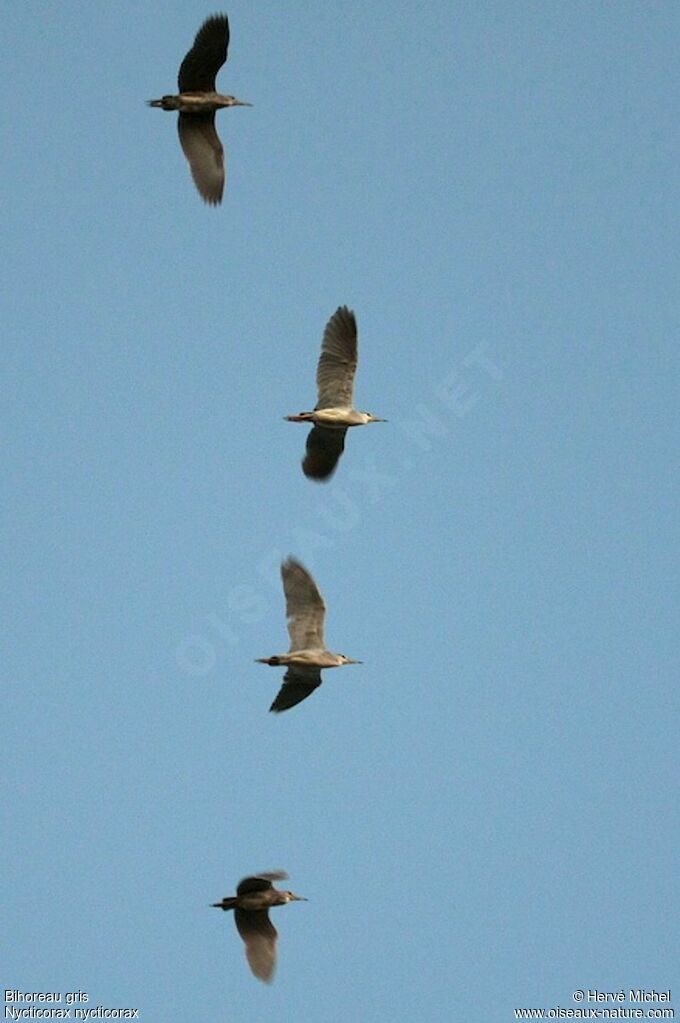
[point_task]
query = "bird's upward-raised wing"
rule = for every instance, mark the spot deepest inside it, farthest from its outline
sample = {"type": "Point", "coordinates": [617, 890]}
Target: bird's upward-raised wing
{"type": "Point", "coordinates": [199, 68]}
{"type": "Point", "coordinates": [260, 882]}
{"type": "Point", "coordinates": [338, 361]}
{"type": "Point", "coordinates": [203, 149]}
{"type": "Point", "coordinates": [304, 607]}
{"type": "Point", "coordinates": [259, 936]}
{"type": "Point", "coordinates": [298, 684]}
{"type": "Point", "coordinates": [322, 453]}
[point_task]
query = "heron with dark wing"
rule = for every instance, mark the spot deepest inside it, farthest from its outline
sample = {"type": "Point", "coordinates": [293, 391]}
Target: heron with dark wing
{"type": "Point", "coordinates": [334, 411]}
{"type": "Point", "coordinates": [254, 898]}
{"type": "Point", "coordinates": [308, 655]}
{"type": "Point", "coordinates": [197, 102]}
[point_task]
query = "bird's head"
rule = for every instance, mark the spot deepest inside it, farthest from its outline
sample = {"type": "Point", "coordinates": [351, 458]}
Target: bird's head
{"type": "Point", "coordinates": [348, 660]}
{"type": "Point", "coordinates": [370, 418]}
{"type": "Point", "coordinates": [231, 101]}
{"type": "Point", "coordinates": [292, 897]}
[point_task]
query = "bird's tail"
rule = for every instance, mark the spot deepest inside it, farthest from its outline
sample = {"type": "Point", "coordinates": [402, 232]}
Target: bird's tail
{"type": "Point", "coordinates": [301, 417]}
{"type": "Point", "coordinates": [165, 103]}
{"type": "Point", "coordinates": [227, 903]}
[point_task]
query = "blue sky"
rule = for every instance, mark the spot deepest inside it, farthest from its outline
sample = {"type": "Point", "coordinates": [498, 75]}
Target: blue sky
{"type": "Point", "coordinates": [483, 815]}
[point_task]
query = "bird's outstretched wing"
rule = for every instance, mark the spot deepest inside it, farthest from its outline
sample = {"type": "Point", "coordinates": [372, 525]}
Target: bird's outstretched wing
{"type": "Point", "coordinates": [304, 607]}
{"type": "Point", "coordinates": [298, 684]}
{"type": "Point", "coordinates": [322, 453]}
{"type": "Point", "coordinates": [338, 361]}
{"type": "Point", "coordinates": [260, 882]}
{"type": "Point", "coordinates": [259, 936]}
{"type": "Point", "coordinates": [203, 150]}
{"type": "Point", "coordinates": [198, 70]}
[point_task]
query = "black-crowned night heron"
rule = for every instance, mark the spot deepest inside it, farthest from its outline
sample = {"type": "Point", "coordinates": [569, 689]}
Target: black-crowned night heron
{"type": "Point", "coordinates": [197, 102]}
{"type": "Point", "coordinates": [333, 413]}
{"type": "Point", "coordinates": [307, 655]}
{"type": "Point", "coordinates": [254, 898]}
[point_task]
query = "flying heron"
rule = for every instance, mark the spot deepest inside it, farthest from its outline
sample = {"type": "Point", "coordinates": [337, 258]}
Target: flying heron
{"type": "Point", "coordinates": [197, 102]}
{"type": "Point", "coordinates": [251, 904]}
{"type": "Point", "coordinates": [307, 655]}
{"type": "Point", "coordinates": [333, 413]}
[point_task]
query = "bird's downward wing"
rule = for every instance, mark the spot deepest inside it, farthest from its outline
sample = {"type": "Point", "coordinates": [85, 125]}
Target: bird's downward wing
{"type": "Point", "coordinates": [203, 150]}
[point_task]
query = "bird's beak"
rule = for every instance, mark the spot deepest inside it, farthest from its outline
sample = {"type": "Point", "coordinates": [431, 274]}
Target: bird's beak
{"type": "Point", "coordinates": [350, 661]}
{"type": "Point", "coordinates": [377, 419]}
{"type": "Point", "coordinates": [298, 898]}
{"type": "Point", "coordinates": [241, 103]}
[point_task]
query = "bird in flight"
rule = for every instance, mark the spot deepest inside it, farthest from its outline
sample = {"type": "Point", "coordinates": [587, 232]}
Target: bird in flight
{"type": "Point", "coordinates": [307, 655]}
{"type": "Point", "coordinates": [254, 897]}
{"type": "Point", "coordinates": [333, 413]}
{"type": "Point", "coordinates": [197, 102]}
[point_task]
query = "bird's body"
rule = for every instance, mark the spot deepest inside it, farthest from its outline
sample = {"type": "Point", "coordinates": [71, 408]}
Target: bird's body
{"type": "Point", "coordinates": [306, 659]}
{"type": "Point", "coordinates": [196, 104]}
{"type": "Point", "coordinates": [308, 655]}
{"type": "Point", "coordinates": [254, 898]}
{"type": "Point", "coordinates": [334, 418]}
{"type": "Point", "coordinates": [334, 413]}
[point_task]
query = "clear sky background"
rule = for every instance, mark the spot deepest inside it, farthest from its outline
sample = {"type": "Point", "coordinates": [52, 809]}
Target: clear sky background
{"type": "Point", "coordinates": [484, 815]}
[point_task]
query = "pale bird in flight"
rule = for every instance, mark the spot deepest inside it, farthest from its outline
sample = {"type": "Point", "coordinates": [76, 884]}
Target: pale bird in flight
{"type": "Point", "coordinates": [334, 412]}
{"type": "Point", "coordinates": [308, 654]}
